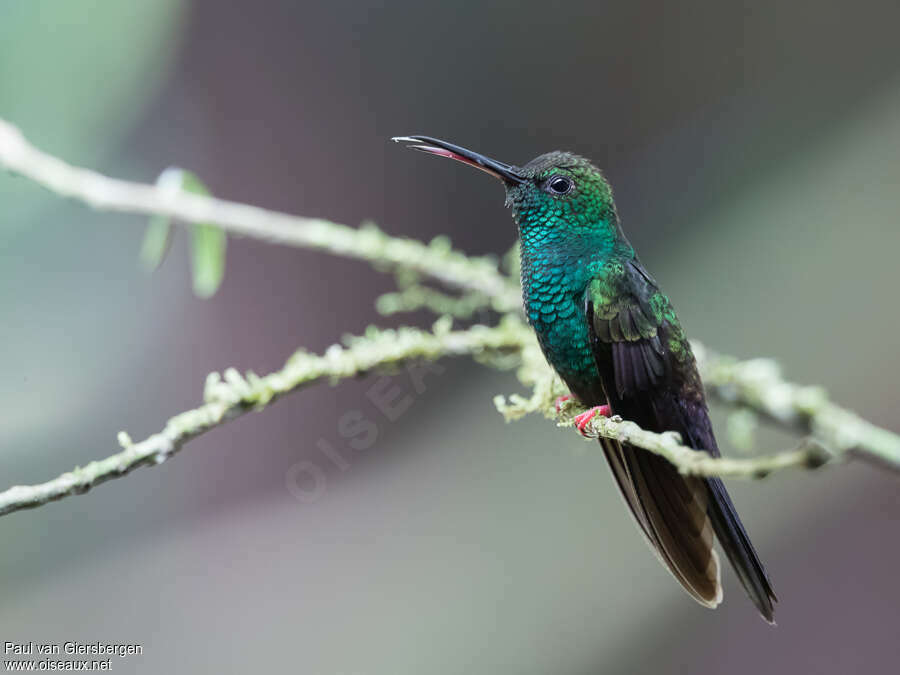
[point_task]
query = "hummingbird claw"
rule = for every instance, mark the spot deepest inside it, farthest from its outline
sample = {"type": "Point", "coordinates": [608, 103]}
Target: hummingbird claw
{"type": "Point", "coordinates": [560, 401]}
{"type": "Point", "coordinates": [582, 420]}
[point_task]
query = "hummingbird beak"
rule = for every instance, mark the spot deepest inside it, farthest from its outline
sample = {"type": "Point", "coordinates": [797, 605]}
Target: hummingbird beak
{"type": "Point", "coordinates": [505, 172]}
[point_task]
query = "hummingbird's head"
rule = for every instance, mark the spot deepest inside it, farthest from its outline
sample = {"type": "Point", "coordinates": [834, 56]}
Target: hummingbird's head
{"type": "Point", "coordinates": [557, 193]}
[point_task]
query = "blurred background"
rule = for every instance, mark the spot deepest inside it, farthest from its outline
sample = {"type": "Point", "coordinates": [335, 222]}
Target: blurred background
{"type": "Point", "coordinates": [754, 150]}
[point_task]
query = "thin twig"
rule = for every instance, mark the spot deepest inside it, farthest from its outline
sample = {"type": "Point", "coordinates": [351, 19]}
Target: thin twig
{"type": "Point", "coordinates": [758, 384]}
{"type": "Point", "coordinates": [700, 463]}
{"type": "Point", "coordinates": [755, 384]}
{"type": "Point", "coordinates": [232, 395]}
{"type": "Point", "coordinates": [436, 260]}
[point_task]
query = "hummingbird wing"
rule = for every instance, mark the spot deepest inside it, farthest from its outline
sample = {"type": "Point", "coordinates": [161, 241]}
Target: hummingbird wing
{"type": "Point", "coordinates": [650, 377]}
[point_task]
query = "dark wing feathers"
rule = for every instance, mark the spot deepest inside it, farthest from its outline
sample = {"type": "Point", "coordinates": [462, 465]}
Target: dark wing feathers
{"type": "Point", "coordinates": [624, 319]}
{"type": "Point", "coordinates": [631, 326]}
{"type": "Point", "coordinates": [639, 365]}
{"type": "Point", "coordinates": [728, 526]}
{"type": "Point", "coordinates": [677, 515]}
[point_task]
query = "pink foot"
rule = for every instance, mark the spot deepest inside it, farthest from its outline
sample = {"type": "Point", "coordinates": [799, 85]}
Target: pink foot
{"type": "Point", "coordinates": [560, 400]}
{"type": "Point", "coordinates": [581, 421]}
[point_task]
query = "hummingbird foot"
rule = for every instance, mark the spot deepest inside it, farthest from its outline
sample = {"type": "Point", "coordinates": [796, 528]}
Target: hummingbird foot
{"type": "Point", "coordinates": [581, 421]}
{"type": "Point", "coordinates": [561, 401]}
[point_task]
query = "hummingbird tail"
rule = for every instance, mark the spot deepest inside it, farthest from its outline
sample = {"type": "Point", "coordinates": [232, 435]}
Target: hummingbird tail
{"type": "Point", "coordinates": [737, 546]}
{"type": "Point", "coordinates": [671, 511]}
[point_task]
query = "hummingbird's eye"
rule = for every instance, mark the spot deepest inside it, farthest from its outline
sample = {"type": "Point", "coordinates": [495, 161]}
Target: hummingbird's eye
{"type": "Point", "coordinates": [559, 185]}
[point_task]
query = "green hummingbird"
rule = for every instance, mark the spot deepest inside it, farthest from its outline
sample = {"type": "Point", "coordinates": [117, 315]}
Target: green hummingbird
{"type": "Point", "coordinates": [614, 339]}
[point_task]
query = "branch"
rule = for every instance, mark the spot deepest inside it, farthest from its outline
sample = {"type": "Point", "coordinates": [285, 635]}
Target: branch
{"type": "Point", "coordinates": [754, 385]}
{"type": "Point", "coordinates": [436, 260]}
{"type": "Point", "coordinates": [699, 462]}
{"type": "Point", "coordinates": [234, 395]}
{"type": "Point", "coordinates": [832, 432]}
{"type": "Point", "coordinates": [418, 297]}
{"type": "Point", "coordinates": [757, 384]}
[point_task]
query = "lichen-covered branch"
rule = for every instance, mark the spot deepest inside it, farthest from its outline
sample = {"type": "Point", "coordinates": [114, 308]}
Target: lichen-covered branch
{"type": "Point", "coordinates": [755, 387]}
{"type": "Point", "coordinates": [231, 395]}
{"type": "Point", "coordinates": [436, 260]}
{"type": "Point", "coordinates": [830, 432]}
{"type": "Point", "coordinates": [809, 455]}
{"type": "Point", "coordinates": [758, 385]}
{"type": "Point", "coordinates": [418, 297]}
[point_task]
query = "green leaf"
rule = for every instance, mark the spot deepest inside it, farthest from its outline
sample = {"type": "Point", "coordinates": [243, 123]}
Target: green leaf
{"type": "Point", "coordinates": [208, 259]}
{"type": "Point", "coordinates": [156, 242]}
{"type": "Point", "coordinates": [207, 246]}
{"type": "Point", "coordinates": [208, 242]}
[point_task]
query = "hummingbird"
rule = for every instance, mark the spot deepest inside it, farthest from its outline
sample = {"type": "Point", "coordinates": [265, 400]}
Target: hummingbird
{"type": "Point", "coordinates": [613, 337]}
